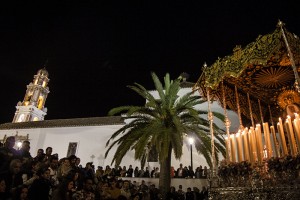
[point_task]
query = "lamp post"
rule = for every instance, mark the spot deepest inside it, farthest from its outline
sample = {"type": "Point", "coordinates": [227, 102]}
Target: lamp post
{"type": "Point", "coordinates": [191, 141]}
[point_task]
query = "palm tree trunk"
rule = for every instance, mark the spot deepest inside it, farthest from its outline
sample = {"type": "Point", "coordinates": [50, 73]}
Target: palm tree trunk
{"type": "Point", "coordinates": [164, 176]}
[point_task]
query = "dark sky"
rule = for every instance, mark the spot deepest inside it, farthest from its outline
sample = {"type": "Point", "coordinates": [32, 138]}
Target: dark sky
{"type": "Point", "coordinates": [94, 50]}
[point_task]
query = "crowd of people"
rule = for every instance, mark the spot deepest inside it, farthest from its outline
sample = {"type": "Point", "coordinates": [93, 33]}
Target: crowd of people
{"type": "Point", "coordinates": [48, 177]}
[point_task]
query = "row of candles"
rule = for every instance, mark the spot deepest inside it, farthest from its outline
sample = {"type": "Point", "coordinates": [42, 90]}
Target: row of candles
{"type": "Point", "coordinates": [254, 145]}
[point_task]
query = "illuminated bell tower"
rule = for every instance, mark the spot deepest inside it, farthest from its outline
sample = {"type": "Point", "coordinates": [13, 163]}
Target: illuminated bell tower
{"type": "Point", "coordinates": [32, 108]}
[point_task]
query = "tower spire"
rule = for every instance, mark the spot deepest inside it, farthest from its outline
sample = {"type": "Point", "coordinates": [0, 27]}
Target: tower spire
{"type": "Point", "coordinates": [32, 108]}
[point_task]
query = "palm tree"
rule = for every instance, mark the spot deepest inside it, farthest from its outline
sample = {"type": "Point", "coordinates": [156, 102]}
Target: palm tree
{"type": "Point", "coordinates": [163, 124]}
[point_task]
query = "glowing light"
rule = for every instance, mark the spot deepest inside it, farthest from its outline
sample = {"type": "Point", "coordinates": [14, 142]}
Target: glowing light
{"type": "Point", "coordinates": [19, 144]}
{"type": "Point", "coordinates": [191, 140]}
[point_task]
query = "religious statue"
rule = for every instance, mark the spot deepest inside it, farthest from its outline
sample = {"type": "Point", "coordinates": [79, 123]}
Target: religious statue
{"type": "Point", "coordinates": [289, 100]}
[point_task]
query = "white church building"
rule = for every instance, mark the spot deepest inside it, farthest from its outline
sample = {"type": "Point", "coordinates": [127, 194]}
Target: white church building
{"type": "Point", "coordinates": [84, 137]}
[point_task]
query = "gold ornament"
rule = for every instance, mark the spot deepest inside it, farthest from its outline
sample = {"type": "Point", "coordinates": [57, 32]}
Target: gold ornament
{"type": "Point", "coordinates": [288, 97]}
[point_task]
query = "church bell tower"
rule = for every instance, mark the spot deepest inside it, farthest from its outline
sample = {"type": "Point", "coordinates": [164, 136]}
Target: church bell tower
{"type": "Point", "coordinates": [32, 107]}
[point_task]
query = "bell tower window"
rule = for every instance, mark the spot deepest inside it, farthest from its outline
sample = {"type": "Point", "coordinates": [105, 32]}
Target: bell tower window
{"type": "Point", "coordinates": [21, 118]}
{"type": "Point", "coordinates": [40, 102]}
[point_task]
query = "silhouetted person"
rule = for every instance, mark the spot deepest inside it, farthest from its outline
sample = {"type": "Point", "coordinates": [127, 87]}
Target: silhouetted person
{"type": "Point", "coordinates": [7, 153]}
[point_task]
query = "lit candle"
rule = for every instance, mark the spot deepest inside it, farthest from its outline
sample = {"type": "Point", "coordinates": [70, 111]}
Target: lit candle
{"type": "Point", "coordinates": [296, 116]}
{"type": "Point", "coordinates": [232, 143]}
{"type": "Point", "coordinates": [249, 138]}
{"type": "Point", "coordinates": [297, 122]}
{"type": "Point", "coordinates": [268, 140]}
{"type": "Point", "coordinates": [282, 137]}
{"type": "Point", "coordinates": [259, 143]}
{"type": "Point", "coordinates": [292, 133]}
{"type": "Point", "coordinates": [246, 144]}
{"type": "Point", "coordinates": [291, 136]}
{"type": "Point", "coordinates": [239, 146]}
{"type": "Point", "coordinates": [253, 144]}
{"type": "Point", "coordinates": [297, 132]}
{"type": "Point", "coordinates": [274, 141]}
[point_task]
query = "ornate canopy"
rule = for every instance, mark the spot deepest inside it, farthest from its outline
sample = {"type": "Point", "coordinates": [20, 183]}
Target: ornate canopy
{"type": "Point", "coordinates": [266, 69]}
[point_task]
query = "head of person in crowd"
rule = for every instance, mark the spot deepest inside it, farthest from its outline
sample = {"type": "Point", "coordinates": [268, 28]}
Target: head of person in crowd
{"type": "Point", "coordinates": [3, 192]}
{"type": "Point", "coordinates": [126, 185]}
{"type": "Point", "coordinates": [49, 151]}
{"type": "Point", "coordinates": [39, 155]}
{"type": "Point", "coordinates": [195, 189]}
{"type": "Point", "coordinates": [54, 162]}
{"type": "Point", "coordinates": [180, 187]}
{"type": "Point", "coordinates": [40, 152]}
{"type": "Point", "coordinates": [61, 161]}
{"type": "Point", "coordinates": [44, 173]}
{"type": "Point", "coordinates": [98, 187]}
{"type": "Point", "coordinates": [67, 185]}
{"type": "Point", "coordinates": [100, 168]}
{"type": "Point", "coordinates": [65, 190]}
{"type": "Point", "coordinates": [15, 166]}
{"type": "Point", "coordinates": [25, 146]}
{"type": "Point", "coordinates": [172, 189]}
{"type": "Point", "coordinates": [72, 159]}
{"type": "Point", "coordinates": [77, 162]}
{"type": "Point", "coordinates": [2, 185]}
{"type": "Point", "coordinates": [74, 175]}
{"type": "Point", "coordinates": [88, 185]}
{"type": "Point", "coordinates": [25, 155]}
{"type": "Point", "coordinates": [152, 188]}
{"type": "Point", "coordinates": [107, 168]}
{"type": "Point", "coordinates": [10, 142]}
{"type": "Point", "coordinates": [65, 163]}
{"type": "Point", "coordinates": [70, 185]}
{"type": "Point", "coordinates": [35, 165]}
{"type": "Point", "coordinates": [89, 166]}
{"type": "Point", "coordinates": [22, 193]}
{"type": "Point", "coordinates": [105, 188]}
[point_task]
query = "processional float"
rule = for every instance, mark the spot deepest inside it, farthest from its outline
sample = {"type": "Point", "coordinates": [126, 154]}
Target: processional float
{"type": "Point", "coordinates": [261, 83]}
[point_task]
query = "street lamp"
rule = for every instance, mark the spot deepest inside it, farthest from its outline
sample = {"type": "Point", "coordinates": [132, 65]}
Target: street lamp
{"type": "Point", "coordinates": [19, 144]}
{"type": "Point", "coordinates": [191, 141]}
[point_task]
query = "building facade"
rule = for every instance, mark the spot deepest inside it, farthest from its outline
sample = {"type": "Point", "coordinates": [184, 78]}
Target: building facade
{"type": "Point", "coordinates": [84, 137]}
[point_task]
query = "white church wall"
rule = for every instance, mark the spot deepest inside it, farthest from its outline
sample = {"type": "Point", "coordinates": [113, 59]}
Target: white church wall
{"type": "Point", "coordinates": [91, 145]}
{"type": "Point", "coordinates": [91, 142]}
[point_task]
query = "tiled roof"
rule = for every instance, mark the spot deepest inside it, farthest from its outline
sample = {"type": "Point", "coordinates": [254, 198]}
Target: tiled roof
{"type": "Point", "coordinates": [92, 121]}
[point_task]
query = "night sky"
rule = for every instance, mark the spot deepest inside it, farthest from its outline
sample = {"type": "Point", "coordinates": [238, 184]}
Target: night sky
{"type": "Point", "coordinates": [94, 50]}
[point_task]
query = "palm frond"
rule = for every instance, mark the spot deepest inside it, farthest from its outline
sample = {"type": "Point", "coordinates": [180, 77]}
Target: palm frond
{"type": "Point", "coordinates": [142, 92]}
{"type": "Point", "coordinates": [158, 86]}
{"type": "Point", "coordinates": [219, 116]}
